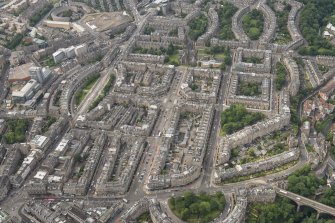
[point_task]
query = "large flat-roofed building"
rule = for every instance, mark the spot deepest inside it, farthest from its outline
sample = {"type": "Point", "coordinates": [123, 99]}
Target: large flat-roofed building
{"type": "Point", "coordinates": [20, 73]}
{"type": "Point", "coordinates": [68, 53]}
{"type": "Point", "coordinates": [27, 92]}
{"type": "Point", "coordinates": [58, 24]}
{"type": "Point", "coordinates": [81, 50]}
{"type": "Point", "coordinates": [36, 73]}
{"type": "Point", "coordinates": [38, 141]}
{"type": "Point", "coordinates": [58, 56]}
{"type": "Point", "coordinates": [40, 74]}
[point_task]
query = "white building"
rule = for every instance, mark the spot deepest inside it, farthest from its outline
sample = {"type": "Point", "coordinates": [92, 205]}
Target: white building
{"type": "Point", "coordinates": [70, 52]}
{"type": "Point", "coordinates": [80, 50]}
{"type": "Point", "coordinates": [58, 56]}
{"type": "Point", "coordinates": [40, 74]}
{"type": "Point", "coordinates": [27, 92]}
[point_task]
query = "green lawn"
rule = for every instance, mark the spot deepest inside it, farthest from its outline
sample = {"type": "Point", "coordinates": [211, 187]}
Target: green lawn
{"type": "Point", "coordinates": [174, 59]}
{"type": "Point", "coordinates": [203, 52]}
{"type": "Point", "coordinates": [219, 53]}
{"type": "Point", "coordinates": [144, 218]}
{"type": "Point", "coordinates": [81, 93]}
{"type": "Point", "coordinates": [220, 56]}
{"type": "Point", "coordinates": [104, 92]}
{"type": "Point", "coordinates": [323, 69]}
{"type": "Point", "coordinates": [48, 61]}
{"type": "Point", "coordinates": [281, 76]}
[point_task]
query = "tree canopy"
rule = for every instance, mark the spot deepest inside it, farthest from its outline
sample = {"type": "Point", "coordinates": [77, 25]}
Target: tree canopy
{"type": "Point", "coordinates": [237, 117]}
{"type": "Point", "coordinates": [249, 88]}
{"type": "Point", "coordinates": [226, 13]}
{"type": "Point", "coordinates": [253, 24]}
{"type": "Point", "coordinates": [282, 210]}
{"type": "Point", "coordinates": [304, 182]}
{"type": "Point", "coordinates": [197, 26]}
{"type": "Point", "coordinates": [281, 76]}
{"type": "Point", "coordinates": [197, 208]}
{"type": "Point", "coordinates": [314, 17]}
{"type": "Point", "coordinates": [16, 131]}
{"type": "Point", "coordinates": [39, 15]}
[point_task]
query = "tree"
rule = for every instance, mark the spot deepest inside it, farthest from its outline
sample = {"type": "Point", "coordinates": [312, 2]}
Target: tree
{"type": "Point", "coordinates": [185, 214]}
{"type": "Point", "coordinates": [304, 182]}
{"type": "Point", "coordinates": [197, 208]}
{"type": "Point", "coordinates": [77, 158]}
{"type": "Point", "coordinates": [16, 131]}
{"type": "Point", "coordinates": [225, 14]}
{"type": "Point", "coordinates": [281, 76]}
{"type": "Point", "coordinates": [204, 207]}
{"type": "Point", "coordinates": [237, 117]}
{"type": "Point", "coordinates": [10, 137]}
{"type": "Point", "coordinates": [253, 24]}
{"type": "Point", "coordinates": [189, 198]}
{"type": "Point", "coordinates": [171, 49]}
{"type": "Point", "coordinates": [251, 152]}
{"type": "Point", "coordinates": [314, 16]}
{"type": "Point", "coordinates": [197, 27]}
{"type": "Point", "coordinates": [222, 67]}
{"type": "Point", "coordinates": [228, 59]}
{"type": "Point", "coordinates": [213, 205]}
{"type": "Point", "coordinates": [148, 30]}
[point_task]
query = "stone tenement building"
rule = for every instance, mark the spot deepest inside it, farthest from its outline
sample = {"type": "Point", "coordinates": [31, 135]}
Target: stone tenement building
{"type": "Point", "coordinates": [326, 60]}
{"type": "Point", "coordinates": [314, 75]}
{"type": "Point", "coordinates": [237, 215]}
{"type": "Point", "coordinates": [293, 70]}
{"type": "Point", "coordinates": [248, 134]}
{"type": "Point", "coordinates": [241, 65]}
{"type": "Point", "coordinates": [237, 24]}
{"type": "Point", "coordinates": [136, 111]}
{"type": "Point", "coordinates": [207, 94]}
{"type": "Point", "coordinates": [73, 83]}
{"type": "Point", "coordinates": [143, 79]}
{"type": "Point", "coordinates": [273, 162]}
{"type": "Point", "coordinates": [55, 174]}
{"type": "Point", "coordinates": [261, 102]}
{"type": "Point", "coordinates": [106, 5]}
{"type": "Point", "coordinates": [270, 23]}
{"type": "Point", "coordinates": [127, 115]}
{"type": "Point", "coordinates": [293, 26]}
{"type": "Point", "coordinates": [191, 168]}
{"type": "Point", "coordinates": [120, 183]}
{"type": "Point", "coordinates": [213, 26]}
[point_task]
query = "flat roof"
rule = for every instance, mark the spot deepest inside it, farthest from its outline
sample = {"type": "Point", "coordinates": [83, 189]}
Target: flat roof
{"type": "Point", "coordinates": [20, 72]}
{"type": "Point", "coordinates": [40, 175]}
{"type": "Point", "coordinates": [39, 140]}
